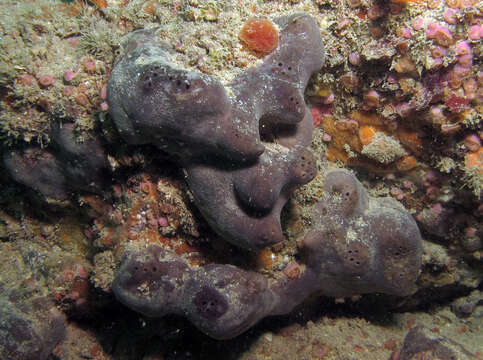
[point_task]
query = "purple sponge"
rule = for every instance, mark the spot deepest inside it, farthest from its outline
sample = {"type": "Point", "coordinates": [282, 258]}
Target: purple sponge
{"type": "Point", "coordinates": [362, 244]}
{"type": "Point", "coordinates": [243, 146]}
{"type": "Point", "coordinates": [358, 245]}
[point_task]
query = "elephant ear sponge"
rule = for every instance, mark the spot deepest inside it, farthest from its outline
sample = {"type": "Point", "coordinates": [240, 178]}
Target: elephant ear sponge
{"type": "Point", "coordinates": [362, 244]}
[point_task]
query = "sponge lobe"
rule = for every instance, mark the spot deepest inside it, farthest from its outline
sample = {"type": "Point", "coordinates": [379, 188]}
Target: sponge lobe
{"type": "Point", "coordinates": [149, 281]}
{"type": "Point", "coordinates": [362, 244]}
{"type": "Point", "coordinates": [221, 300]}
{"type": "Point", "coordinates": [185, 113]}
{"type": "Point", "coordinates": [68, 165]}
{"type": "Point", "coordinates": [359, 244]}
{"type": "Point", "coordinates": [191, 116]}
{"type": "Point", "coordinates": [398, 258]}
{"type": "Point", "coordinates": [210, 304]}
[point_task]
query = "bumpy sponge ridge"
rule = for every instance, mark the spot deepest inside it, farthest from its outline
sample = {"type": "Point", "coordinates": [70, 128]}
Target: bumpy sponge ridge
{"type": "Point", "coordinates": [358, 244]}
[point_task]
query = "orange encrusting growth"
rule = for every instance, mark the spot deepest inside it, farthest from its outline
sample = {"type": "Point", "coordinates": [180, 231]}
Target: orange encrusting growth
{"type": "Point", "coordinates": [366, 134]}
{"type": "Point", "coordinates": [260, 35]}
{"type": "Point", "coordinates": [149, 8]}
{"type": "Point", "coordinates": [339, 139]}
{"type": "Point", "coordinates": [336, 151]}
{"type": "Point", "coordinates": [264, 259]}
{"type": "Point", "coordinates": [475, 160]}
{"type": "Point", "coordinates": [367, 118]}
{"type": "Point", "coordinates": [410, 140]}
{"type": "Point", "coordinates": [406, 163]}
{"type": "Point", "coordinates": [101, 4]}
{"type": "Point", "coordinates": [370, 124]}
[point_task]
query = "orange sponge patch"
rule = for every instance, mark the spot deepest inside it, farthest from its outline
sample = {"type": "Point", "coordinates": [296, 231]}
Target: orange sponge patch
{"type": "Point", "coordinates": [260, 35]}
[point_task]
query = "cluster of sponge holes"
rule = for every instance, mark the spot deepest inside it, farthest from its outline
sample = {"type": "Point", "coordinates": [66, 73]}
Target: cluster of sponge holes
{"type": "Point", "coordinates": [283, 70]}
{"type": "Point", "coordinates": [151, 76]}
{"type": "Point", "coordinates": [292, 107]}
{"type": "Point", "coordinates": [154, 74]}
{"type": "Point", "coordinates": [353, 256]}
{"type": "Point", "coordinates": [356, 258]}
{"type": "Point", "coordinates": [181, 85]}
{"type": "Point", "coordinates": [348, 196]}
{"type": "Point", "coordinates": [148, 271]}
{"type": "Point", "coordinates": [293, 100]}
{"type": "Point", "coordinates": [295, 106]}
{"type": "Point", "coordinates": [210, 303]}
{"type": "Point", "coordinates": [400, 252]}
{"type": "Point", "coordinates": [153, 273]}
{"type": "Point", "coordinates": [340, 190]}
{"type": "Point", "coordinates": [307, 167]}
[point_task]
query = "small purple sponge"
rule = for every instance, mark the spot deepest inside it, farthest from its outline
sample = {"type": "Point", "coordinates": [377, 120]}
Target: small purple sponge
{"type": "Point", "coordinates": [67, 166]}
{"type": "Point", "coordinates": [362, 244]}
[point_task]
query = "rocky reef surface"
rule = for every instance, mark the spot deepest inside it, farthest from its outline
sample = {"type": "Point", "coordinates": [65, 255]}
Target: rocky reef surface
{"type": "Point", "coordinates": [177, 173]}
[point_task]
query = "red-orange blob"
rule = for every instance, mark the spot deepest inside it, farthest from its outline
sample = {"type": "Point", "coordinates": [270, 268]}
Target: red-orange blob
{"type": "Point", "coordinates": [366, 134]}
{"type": "Point", "coordinates": [406, 163]}
{"type": "Point", "coordinates": [101, 4]}
{"type": "Point", "coordinates": [475, 160]}
{"type": "Point", "coordinates": [259, 35]}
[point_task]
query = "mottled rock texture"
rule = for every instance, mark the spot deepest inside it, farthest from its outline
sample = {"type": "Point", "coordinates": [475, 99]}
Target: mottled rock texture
{"type": "Point", "coordinates": [421, 343]}
{"type": "Point", "coordinates": [243, 146]}
{"type": "Point", "coordinates": [464, 307]}
{"type": "Point", "coordinates": [30, 324]}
